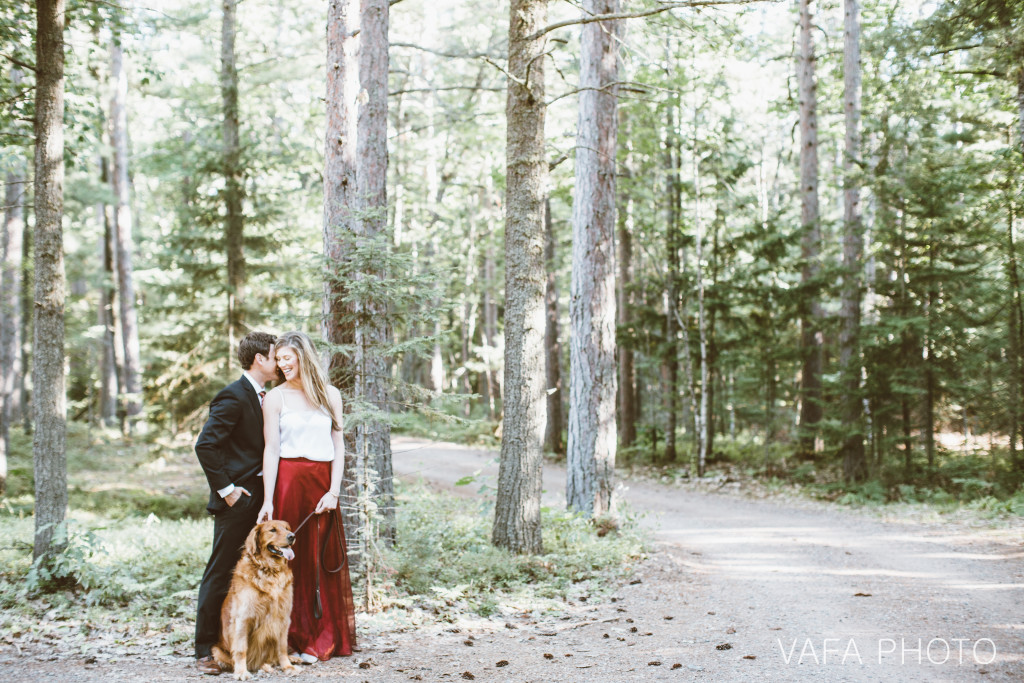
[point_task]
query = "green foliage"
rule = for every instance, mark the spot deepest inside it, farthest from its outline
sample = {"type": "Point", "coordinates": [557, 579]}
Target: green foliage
{"type": "Point", "coordinates": [144, 567]}
{"type": "Point", "coordinates": [447, 427]}
{"type": "Point", "coordinates": [444, 556]}
{"type": "Point", "coordinates": [107, 476]}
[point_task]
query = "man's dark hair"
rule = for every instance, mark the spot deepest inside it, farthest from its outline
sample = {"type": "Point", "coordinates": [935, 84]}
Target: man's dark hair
{"type": "Point", "coordinates": [253, 343]}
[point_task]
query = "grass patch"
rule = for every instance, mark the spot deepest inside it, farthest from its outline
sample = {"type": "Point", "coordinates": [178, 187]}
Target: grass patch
{"type": "Point", "coordinates": [445, 563]}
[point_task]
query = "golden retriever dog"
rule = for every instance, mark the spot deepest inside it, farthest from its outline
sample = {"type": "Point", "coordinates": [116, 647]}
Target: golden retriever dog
{"type": "Point", "coordinates": [257, 610]}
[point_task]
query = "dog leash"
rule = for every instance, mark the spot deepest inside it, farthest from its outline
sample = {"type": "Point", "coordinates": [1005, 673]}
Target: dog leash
{"type": "Point", "coordinates": [333, 520]}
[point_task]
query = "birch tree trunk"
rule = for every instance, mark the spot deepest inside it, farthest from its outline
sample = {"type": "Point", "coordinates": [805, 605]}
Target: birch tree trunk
{"type": "Point", "coordinates": [123, 237]}
{"type": "Point", "coordinates": [552, 343]}
{"type": "Point", "coordinates": [340, 225]}
{"type": "Point", "coordinates": [854, 458]}
{"type": "Point", "coordinates": [517, 508]}
{"type": "Point", "coordinates": [811, 314]}
{"type": "Point", "coordinates": [373, 329]}
{"type": "Point", "coordinates": [234, 191]}
{"type": "Point", "coordinates": [590, 469]}
{"type": "Point", "coordinates": [48, 399]}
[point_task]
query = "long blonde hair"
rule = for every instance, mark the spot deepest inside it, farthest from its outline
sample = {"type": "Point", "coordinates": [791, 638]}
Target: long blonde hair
{"type": "Point", "coordinates": [314, 379]}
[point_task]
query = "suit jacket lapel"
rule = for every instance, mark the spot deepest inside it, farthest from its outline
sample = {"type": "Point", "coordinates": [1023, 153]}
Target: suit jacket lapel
{"type": "Point", "coordinates": [254, 399]}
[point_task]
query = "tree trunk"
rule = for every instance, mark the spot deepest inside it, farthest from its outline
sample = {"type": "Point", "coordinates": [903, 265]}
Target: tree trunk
{"type": "Point", "coordinates": [108, 358]}
{"type": "Point", "coordinates": [489, 325]}
{"type": "Point", "coordinates": [373, 329]}
{"type": "Point", "coordinates": [627, 372]}
{"type": "Point", "coordinates": [234, 191]}
{"type": "Point", "coordinates": [125, 246]}
{"type": "Point", "coordinates": [10, 306]}
{"type": "Point", "coordinates": [10, 301]}
{"type": "Point", "coordinates": [469, 311]}
{"type": "Point", "coordinates": [1020, 109]}
{"type": "Point", "coordinates": [590, 470]}
{"type": "Point", "coordinates": [48, 400]}
{"type": "Point", "coordinates": [670, 362]}
{"type": "Point", "coordinates": [929, 363]}
{"type": "Point", "coordinates": [702, 421]}
{"type": "Point", "coordinates": [517, 507]}
{"type": "Point", "coordinates": [340, 227]}
{"type": "Point", "coordinates": [811, 314]}
{"type": "Point", "coordinates": [552, 344]}
{"type": "Point", "coordinates": [852, 450]}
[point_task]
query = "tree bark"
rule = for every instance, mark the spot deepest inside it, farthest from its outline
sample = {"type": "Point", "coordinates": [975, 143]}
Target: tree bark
{"type": "Point", "coordinates": [593, 438]}
{"type": "Point", "coordinates": [627, 372]}
{"type": "Point", "coordinates": [702, 422]}
{"type": "Point", "coordinates": [234, 190]}
{"type": "Point", "coordinates": [489, 333]}
{"type": "Point", "coordinates": [373, 328]}
{"type": "Point", "coordinates": [10, 302]}
{"type": "Point", "coordinates": [552, 343]}
{"type": "Point", "coordinates": [48, 400]}
{"type": "Point", "coordinates": [670, 362]}
{"type": "Point", "coordinates": [852, 450]}
{"type": "Point", "coordinates": [811, 314]}
{"type": "Point", "coordinates": [123, 236]}
{"type": "Point", "coordinates": [340, 169]}
{"type": "Point", "coordinates": [517, 507]}
{"type": "Point", "coordinates": [109, 382]}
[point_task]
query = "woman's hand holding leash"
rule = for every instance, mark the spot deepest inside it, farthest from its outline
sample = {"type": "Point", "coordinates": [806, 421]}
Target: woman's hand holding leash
{"type": "Point", "coordinates": [329, 501]}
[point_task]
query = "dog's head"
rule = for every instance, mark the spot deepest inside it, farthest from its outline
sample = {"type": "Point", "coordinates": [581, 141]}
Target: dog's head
{"type": "Point", "coordinates": [271, 540]}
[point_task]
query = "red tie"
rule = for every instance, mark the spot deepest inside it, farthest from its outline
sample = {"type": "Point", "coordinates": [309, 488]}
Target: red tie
{"type": "Point", "coordinates": [262, 394]}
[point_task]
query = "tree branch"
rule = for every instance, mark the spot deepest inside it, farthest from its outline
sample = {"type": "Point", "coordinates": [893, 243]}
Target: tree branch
{"type": "Point", "coordinates": [449, 55]}
{"type": "Point", "coordinates": [18, 62]}
{"type": "Point", "coordinates": [976, 72]}
{"type": "Point", "coordinates": [955, 48]}
{"type": "Point", "coordinates": [502, 70]}
{"type": "Point", "coordinates": [636, 15]}
{"type": "Point", "coordinates": [636, 87]}
{"type": "Point", "coordinates": [451, 87]}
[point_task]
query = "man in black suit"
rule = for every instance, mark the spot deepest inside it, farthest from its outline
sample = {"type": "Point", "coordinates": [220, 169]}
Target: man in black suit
{"type": "Point", "coordinates": [230, 449]}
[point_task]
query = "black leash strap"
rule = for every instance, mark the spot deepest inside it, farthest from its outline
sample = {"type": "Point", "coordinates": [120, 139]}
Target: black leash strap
{"type": "Point", "coordinates": [333, 520]}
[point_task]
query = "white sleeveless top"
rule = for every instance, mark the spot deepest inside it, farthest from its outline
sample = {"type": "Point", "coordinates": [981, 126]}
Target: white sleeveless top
{"type": "Point", "coordinates": [305, 433]}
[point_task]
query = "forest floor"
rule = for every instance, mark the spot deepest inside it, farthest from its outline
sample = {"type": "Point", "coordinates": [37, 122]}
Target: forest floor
{"type": "Point", "coordinates": [740, 586]}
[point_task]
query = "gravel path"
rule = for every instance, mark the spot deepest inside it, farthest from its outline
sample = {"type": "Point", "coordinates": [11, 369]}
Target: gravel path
{"type": "Point", "coordinates": [737, 590]}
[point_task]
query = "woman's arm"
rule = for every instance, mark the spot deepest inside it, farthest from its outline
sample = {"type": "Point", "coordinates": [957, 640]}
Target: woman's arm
{"type": "Point", "coordinates": [329, 501]}
{"type": "Point", "coordinates": [271, 451]}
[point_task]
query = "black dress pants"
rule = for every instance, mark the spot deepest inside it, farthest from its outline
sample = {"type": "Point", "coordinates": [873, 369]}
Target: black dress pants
{"type": "Point", "coordinates": [230, 529]}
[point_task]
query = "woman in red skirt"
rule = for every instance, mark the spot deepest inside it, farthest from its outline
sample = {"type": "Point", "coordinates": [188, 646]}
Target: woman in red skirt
{"type": "Point", "coordinates": [302, 470]}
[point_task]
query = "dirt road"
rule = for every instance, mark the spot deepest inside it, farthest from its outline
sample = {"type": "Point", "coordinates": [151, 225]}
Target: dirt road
{"type": "Point", "coordinates": [798, 594]}
{"type": "Point", "coordinates": [737, 590]}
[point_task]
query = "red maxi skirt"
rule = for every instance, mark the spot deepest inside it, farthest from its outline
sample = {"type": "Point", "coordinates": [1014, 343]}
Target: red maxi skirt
{"type": "Point", "coordinates": [301, 483]}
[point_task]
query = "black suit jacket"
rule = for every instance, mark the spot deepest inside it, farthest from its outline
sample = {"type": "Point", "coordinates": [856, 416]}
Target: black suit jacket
{"type": "Point", "coordinates": [230, 447]}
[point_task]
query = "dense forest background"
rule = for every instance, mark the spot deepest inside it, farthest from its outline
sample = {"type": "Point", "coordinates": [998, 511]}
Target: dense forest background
{"type": "Point", "coordinates": [725, 289]}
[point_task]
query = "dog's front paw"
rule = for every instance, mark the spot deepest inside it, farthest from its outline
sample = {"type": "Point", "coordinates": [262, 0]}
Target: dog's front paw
{"type": "Point", "coordinates": [266, 668]}
{"type": "Point", "coordinates": [290, 670]}
{"type": "Point", "coordinates": [242, 675]}
{"type": "Point", "coordinates": [294, 659]}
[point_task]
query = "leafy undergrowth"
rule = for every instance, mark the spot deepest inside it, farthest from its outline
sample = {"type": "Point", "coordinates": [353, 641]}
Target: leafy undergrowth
{"type": "Point", "coordinates": [129, 584]}
{"type": "Point", "coordinates": [969, 487]}
{"type": "Point", "coordinates": [445, 569]}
